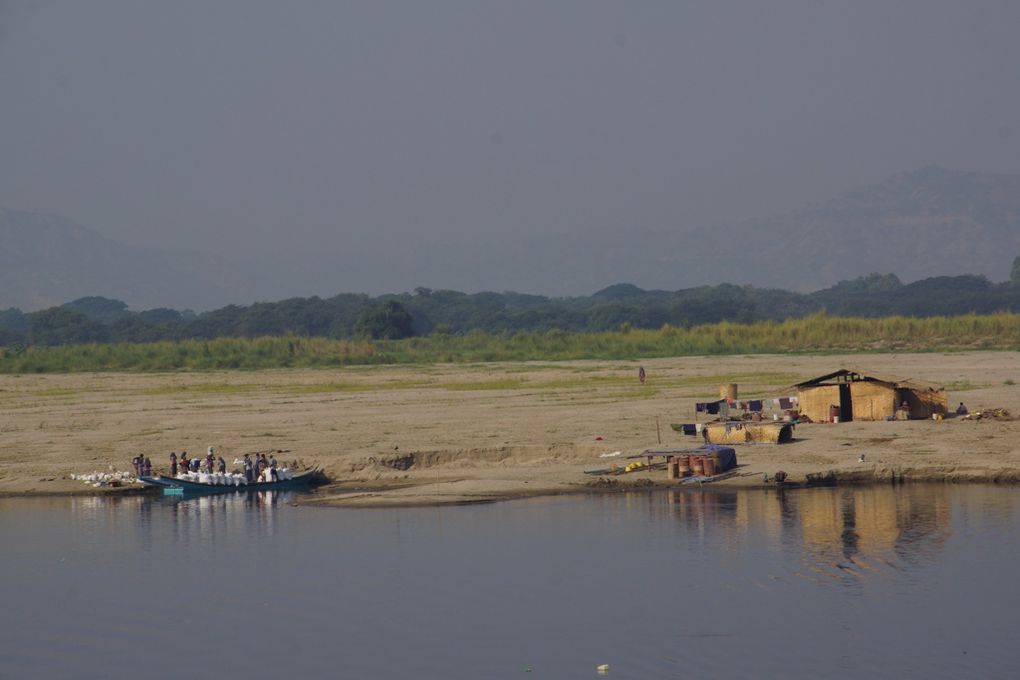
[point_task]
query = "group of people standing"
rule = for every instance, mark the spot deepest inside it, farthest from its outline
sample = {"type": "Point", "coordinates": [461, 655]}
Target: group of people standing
{"type": "Point", "coordinates": [210, 463]}
{"type": "Point", "coordinates": [258, 468]}
{"type": "Point", "coordinates": [142, 465]}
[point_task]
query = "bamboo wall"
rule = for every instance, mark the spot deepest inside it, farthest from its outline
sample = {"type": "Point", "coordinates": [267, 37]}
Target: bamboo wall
{"type": "Point", "coordinates": [872, 401]}
{"type": "Point", "coordinates": [814, 401]}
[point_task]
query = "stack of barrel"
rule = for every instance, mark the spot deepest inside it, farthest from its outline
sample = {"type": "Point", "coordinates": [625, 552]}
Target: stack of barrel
{"type": "Point", "coordinates": [678, 467]}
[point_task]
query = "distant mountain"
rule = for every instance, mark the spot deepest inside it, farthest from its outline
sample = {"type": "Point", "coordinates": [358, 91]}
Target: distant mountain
{"type": "Point", "coordinates": [46, 260]}
{"type": "Point", "coordinates": [931, 222]}
{"type": "Point", "coordinates": [927, 223]}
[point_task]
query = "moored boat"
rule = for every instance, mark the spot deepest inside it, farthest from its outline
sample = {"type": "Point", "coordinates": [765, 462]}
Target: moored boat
{"type": "Point", "coordinates": [179, 485]}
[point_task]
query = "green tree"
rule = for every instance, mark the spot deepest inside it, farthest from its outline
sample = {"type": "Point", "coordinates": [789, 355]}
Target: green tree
{"type": "Point", "coordinates": [388, 321]}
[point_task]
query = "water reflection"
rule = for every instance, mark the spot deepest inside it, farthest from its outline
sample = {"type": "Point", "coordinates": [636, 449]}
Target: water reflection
{"type": "Point", "coordinates": [840, 533]}
{"type": "Point", "coordinates": [839, 583]}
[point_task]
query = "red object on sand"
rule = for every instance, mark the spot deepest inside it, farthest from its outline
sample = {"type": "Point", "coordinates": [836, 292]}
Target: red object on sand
{"type": "Point", "coordinates": [598, 439]}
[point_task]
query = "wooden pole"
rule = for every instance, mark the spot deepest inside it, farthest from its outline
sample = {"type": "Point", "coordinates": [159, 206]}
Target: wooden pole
{"type": "Point", "coordinates": [658, 433]}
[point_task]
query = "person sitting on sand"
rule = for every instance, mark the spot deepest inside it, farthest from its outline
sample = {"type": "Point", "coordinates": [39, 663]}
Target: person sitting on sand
{"type": "Point", "coordinates": [961, 410]}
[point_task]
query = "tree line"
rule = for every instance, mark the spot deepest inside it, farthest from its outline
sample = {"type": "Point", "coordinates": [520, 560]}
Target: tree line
{"type": "Point", "coordinates": [426, 312]}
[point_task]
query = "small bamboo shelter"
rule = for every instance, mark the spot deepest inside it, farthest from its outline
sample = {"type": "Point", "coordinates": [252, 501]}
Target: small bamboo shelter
{"type": "Point", "coordinates": [743, 432]}
{"type": "Point", "coordinates": [854, 395]}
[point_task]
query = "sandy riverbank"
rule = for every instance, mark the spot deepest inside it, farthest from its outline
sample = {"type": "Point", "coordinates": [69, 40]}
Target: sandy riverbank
{"type": "Point", "coordinates": [454, 434]}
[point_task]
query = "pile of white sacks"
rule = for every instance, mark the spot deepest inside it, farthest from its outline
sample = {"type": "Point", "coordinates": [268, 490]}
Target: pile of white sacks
{"type": "Point", "coordinates": [218, 478]}
{"type": "Point", "coordinates": [105, 478]}
{"type": "Point", "coordinates": [282, 475]}
{"type": "Point", "coordinates": [231, 479]}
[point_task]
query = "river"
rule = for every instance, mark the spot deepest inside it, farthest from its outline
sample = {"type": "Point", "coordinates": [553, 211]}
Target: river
{"type": "Point", "coordinates": [890, 582]}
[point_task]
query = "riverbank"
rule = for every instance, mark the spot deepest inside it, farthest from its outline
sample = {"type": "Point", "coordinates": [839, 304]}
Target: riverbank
{"type": "Point", "coordinates": [421, 435]}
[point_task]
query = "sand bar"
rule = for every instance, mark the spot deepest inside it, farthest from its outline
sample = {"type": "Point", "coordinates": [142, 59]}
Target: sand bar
{"type": "Point", "coordinates": [419, 435]}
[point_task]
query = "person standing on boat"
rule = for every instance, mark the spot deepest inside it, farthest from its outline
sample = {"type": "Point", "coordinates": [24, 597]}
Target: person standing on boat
{"type": "Point", "coordinates": [184, 461]}
{"type": "Point", "coordinates": [137, 463]}
{"type": "Point", "coordinates": [221, 465]}
{"type": "Point", "coordinates": [147, 467]}
{"type": "Point", "coordinates": [272, 468]}
{"type": "Point", "coordinates": [209, 461]}
{"type": "Point", "coordinates": [173, 463]}
{"type": "Point", "coordinates": [263, 465]}
{"type": "Point", "coordinates": [247, 469]}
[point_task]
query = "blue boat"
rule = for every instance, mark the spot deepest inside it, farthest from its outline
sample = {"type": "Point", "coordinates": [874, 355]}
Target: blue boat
{"type": "Point", "coordinates": [174, 486]}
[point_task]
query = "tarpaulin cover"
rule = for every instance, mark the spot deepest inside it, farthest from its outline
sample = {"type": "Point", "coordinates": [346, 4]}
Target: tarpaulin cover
{"type": "Point", "coordinates": [727, 456]}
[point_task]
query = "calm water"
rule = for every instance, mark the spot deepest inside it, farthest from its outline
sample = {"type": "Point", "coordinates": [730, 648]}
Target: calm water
{"type": "Point", "coordinates": [836, 583]}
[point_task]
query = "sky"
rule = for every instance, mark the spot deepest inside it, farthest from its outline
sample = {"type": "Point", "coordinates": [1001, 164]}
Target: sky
{"type": "Point", "coordinates": [316, 132]}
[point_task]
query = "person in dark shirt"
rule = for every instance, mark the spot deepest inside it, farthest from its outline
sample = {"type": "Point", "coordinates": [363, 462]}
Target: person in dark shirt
{"type": "Point", "coordinates": [173, 463]}
{"type": "Point", "coordinates": [221, 465]}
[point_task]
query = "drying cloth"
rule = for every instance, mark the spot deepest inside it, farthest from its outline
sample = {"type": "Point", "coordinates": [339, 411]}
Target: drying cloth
{"type": "Point", "coordinates": [754, 405]}
{"type": "Point", "coordinates": [785, 403]}
{"type": "Point", "coordinates": [690, 429]}
{"type": "Point", "coordinates": [701, 407]}
{"type": "Point", "coordinates": [712, 408]}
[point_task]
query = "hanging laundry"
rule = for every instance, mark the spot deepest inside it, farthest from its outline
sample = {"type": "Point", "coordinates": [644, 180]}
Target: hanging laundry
{"type": "Point", "coordinates": [785, 403]}
{"type": "Point", "coordinates": [712, 408]}
{"type": "Point", "coordinates": [701, 407]}
{"type": "Point", "coordinates": [754, 405]}
{"type": "Point", "coordinates": [689, 429]}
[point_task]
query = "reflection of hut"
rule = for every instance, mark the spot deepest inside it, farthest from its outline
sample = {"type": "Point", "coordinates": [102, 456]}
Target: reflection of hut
{"type": "Point", "coordinates": [741, 432]}
{"type": "Point", "coordinates": [858, 396]}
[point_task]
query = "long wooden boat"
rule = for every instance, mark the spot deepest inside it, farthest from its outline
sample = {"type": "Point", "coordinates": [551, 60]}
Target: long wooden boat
{"type": "Point", "coordinates": [172, 485]}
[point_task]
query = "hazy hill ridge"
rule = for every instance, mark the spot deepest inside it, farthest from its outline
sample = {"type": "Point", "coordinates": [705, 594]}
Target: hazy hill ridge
{"type": "Point", "coordinates": [925, 223]}
{"type": "Point", "coordinates": [46, 260]}
{"type": "Point", "coordinates": [931, 222]}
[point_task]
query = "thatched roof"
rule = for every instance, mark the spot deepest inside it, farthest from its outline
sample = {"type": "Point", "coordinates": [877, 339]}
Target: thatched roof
{"type": "Point", "coordinates": [846, 375]}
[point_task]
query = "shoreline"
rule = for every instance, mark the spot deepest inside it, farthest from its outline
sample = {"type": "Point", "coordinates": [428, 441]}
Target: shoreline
{"type": "Point", "coordinates": [449, 434]}
{"type": "Point", "coordinates": [397, 494]}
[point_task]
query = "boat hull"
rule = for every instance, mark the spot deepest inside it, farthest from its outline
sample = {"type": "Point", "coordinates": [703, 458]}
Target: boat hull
{"type": "Point", "coordinates": [302, 481]}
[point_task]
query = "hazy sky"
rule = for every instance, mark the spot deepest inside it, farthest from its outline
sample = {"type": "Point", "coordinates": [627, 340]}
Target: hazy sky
{"type": "Point", "coordinates": [311, 129]}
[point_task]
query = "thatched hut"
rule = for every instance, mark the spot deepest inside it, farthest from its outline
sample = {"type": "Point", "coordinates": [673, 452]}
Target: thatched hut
{"type": "Point", "coordinates": [854, 395]}
{"type": "Point", "coordinates": [742, 432]}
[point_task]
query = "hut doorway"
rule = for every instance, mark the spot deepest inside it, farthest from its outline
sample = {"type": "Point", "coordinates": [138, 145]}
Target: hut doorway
{"type": "Point", "coordinates": [846, 404]}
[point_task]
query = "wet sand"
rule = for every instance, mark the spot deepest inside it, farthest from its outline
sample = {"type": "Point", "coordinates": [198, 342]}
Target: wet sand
{"type": "Point", "coordinates": [459, 434]}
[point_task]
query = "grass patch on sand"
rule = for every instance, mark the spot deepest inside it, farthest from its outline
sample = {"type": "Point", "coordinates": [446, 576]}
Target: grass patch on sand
{"type": "Point", "coordinates": [814, 334]}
